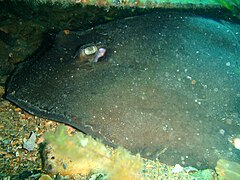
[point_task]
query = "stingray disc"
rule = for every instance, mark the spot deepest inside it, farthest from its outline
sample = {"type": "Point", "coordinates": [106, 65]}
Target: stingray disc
{"type": "Point", "coordinates": [165, 86]}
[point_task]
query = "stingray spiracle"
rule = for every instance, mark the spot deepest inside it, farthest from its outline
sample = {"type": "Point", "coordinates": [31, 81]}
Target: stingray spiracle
{"type": "Point", "coordinates": [90, 53]}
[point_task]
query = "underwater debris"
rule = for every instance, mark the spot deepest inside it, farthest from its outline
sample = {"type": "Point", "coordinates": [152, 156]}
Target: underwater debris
{"type": "Point", "coordinates": [30, 143]}
{"type": "Point", "coordinates": [177, 168]}
{"type": "Point", "coordinates": [228, 169]}
{"type": "Point", "coordinates": [81, 154]}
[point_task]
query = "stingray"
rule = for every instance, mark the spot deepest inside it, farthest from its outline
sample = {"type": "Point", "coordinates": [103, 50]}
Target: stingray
{"type": "Point", "coordinates": [166, 85]}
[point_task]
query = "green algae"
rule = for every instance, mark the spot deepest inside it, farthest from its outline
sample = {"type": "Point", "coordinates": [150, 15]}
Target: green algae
{"type": "Point", "coordinates": [228, 169]}
{"type": "Point", "coordinates": [232, 5]}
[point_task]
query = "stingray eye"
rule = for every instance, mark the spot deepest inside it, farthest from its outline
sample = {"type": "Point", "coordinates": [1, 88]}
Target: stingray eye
{"type": "Point", "coordinates": [90, 50]}
{"type": "Point", "coordinates": [86, 53]}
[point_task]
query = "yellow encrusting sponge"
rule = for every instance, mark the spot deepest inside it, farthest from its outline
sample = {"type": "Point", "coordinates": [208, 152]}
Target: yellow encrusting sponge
{"type": "Point", "coordinates": [81, 154]}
